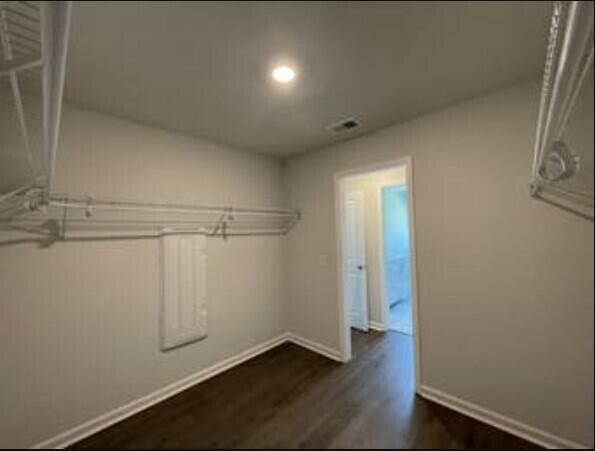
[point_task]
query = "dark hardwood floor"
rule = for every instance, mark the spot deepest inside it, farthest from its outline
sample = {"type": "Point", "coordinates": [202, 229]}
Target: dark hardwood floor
{"type": "Point", "coordinates": [293, 398]}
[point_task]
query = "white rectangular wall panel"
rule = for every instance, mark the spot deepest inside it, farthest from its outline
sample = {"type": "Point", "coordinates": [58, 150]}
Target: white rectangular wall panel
{"type": "Point", "coordinates": [183, 289]}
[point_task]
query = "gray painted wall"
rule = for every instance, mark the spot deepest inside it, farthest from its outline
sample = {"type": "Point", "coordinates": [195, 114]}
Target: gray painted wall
{"type": "Point", "coordinates": [79, 321]}
{"type": "Point", "coordinates": [505, 281]}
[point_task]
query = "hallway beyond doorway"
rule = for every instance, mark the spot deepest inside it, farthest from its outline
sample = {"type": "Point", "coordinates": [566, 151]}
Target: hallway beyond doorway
{"type": "Point", "coordinates": [397, 261]}
{"type": "Point", "coordinates": [400, 317]}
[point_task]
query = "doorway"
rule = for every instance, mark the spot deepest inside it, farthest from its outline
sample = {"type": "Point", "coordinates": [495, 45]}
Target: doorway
{"type": "Point", "coordinates": [397, 260]}
{"type": "Point", "coordinates": [376, 253]}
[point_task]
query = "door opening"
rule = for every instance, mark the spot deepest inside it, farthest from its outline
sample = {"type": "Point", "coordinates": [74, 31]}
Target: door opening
{"type": "Point", "coordinates": [376, 253]}
{"type": "Point", "coordinates": [397, 261]}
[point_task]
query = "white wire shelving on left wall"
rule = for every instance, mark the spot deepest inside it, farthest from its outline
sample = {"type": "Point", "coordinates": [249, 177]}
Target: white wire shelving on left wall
{"type": "Point", "coordinates": [34, 43]}
{"type": "Point", "coordinates": [33, 47]}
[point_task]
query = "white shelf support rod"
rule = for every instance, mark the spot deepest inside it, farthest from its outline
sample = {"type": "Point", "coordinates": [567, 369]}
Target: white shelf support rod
{"type": "Point", "coordinates": [16, 92]}
{"type": "Point", "coordinates": [55, 25]}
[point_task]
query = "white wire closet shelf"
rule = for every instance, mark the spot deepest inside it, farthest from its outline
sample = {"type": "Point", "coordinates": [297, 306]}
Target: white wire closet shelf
{"type": "Point", "coordinates": [67, 217]}
{"type": "Point", "coordinates": [563, 158]}
{"type": "Point", "coordinates": [34, 41]}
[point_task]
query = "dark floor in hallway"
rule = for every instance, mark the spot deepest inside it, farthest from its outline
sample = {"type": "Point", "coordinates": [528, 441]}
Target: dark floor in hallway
{"type": "Point", "coordinates": [293, 398]}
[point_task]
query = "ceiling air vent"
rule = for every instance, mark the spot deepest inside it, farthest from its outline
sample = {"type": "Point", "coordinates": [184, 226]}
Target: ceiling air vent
{"type": "Point", "coordinates": [343, 126]}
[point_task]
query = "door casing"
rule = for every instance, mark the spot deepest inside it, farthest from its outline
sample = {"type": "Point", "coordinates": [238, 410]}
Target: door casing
{"type": "Point", "coordinates": [343, 311]}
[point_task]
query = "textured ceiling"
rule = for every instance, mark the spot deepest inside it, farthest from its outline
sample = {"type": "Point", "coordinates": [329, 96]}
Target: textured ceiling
{"type": "Point", "coordinates": [202, 68]}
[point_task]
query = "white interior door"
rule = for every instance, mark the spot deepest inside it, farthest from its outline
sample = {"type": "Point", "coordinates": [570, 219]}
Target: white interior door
{"type": "Point", "coordinates": [356, 290]}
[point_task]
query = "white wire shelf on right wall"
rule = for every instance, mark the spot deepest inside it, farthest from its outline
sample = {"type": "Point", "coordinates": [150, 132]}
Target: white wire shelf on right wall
{"type": "Point", "coordinates": [563, 160]}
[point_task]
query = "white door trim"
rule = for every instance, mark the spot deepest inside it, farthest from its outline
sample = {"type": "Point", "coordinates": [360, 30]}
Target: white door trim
{"type": "Point", "coordinates": [344, 329]}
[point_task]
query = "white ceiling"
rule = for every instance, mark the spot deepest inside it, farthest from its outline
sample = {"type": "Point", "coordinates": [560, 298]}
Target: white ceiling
{"type": "Point", "coordinates": [202, 68]}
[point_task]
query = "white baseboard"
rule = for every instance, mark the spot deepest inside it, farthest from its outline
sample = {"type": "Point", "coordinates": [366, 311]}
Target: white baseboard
{"type": "Point", "coordinates": [313, 346]}
{"type": "Point", "coordinates": [498, 420]}
{"type": "Point", "coordinates": [114, 416]}
{"type": "Point", "coordinates": [492, 418]}
{"type": "Point", "coordinates": [379, 327]}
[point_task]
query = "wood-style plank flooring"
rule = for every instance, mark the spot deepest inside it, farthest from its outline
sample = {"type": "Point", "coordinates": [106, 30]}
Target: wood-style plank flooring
{"type": "Point", "coordinates": [294, 398]}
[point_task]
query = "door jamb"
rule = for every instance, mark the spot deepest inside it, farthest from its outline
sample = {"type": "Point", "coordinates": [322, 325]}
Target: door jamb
{"type": "Point", "coordinates": [384, 312]}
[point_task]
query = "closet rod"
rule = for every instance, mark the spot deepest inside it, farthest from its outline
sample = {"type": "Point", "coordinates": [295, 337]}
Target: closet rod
{"type": "Point", "coordinates": [66, 201]}
{"type": "Point", "coordinates": [86, 217]}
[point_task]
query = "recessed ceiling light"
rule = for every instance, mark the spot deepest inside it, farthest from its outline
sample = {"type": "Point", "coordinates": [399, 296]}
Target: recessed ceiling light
{"type": "Point", "coordinates": [283, 74]}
